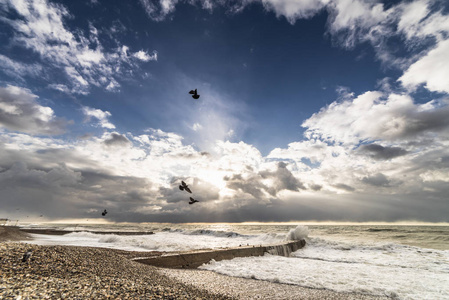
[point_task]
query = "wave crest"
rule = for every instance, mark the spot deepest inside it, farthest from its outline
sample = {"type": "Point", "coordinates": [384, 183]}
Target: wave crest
{"type": "Point", "coordinates": [298, 233]}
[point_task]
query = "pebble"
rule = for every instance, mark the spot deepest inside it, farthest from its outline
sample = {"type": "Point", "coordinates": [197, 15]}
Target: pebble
{"type": "Point", "coordinates": [68, 272]}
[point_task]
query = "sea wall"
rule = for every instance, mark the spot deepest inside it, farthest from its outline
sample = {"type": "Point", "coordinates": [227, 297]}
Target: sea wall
{"type": "Point", "coordinates": [194, 259]}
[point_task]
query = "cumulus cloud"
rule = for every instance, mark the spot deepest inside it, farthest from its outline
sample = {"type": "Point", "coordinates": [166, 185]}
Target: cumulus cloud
{"type": "Point", "coordinates": [359, 147]}
{"type": "Point", "coordinates": [371, 116]}
{"type": "Point", "coordinates": [378, 180]}
{"type": "Point", "coordinates": [101, 116]}
{"type": "Point", "coordinates": [363, 142]}
{"type": "Point", "coordinates": [380, 152]}
{"type": "Point", "coordinates": [202, 190]}
{"type": "Point", "coordinates": [41, 28]}
{"type": "Point", "coordinates": [137, 180]}
{"type": "Point", "coordinates": [432, 70]}
{"type": "Point", "coordinates": [283, 179]}
{"type": "Point", "coordinates": [140, 181]}
{"type": "Point", "coordinates": [144, 56]}
{"type": "Point", "coordinates": [117, 139]}
{"type": "Point", "coordinates": [264, 183]}
{"type": "Point", "coordinates": [64, 192]}
{"type": "Point", "coordinates": [20, 111]}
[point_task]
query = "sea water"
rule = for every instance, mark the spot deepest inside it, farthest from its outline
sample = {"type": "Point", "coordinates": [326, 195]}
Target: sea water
{"type": "Point", "coordinates": [402, 262]}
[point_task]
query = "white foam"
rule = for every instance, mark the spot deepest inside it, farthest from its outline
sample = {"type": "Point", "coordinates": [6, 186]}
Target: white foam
{"type": "Point", "coordinates": [176, 240]}
{"type": "Point", "coordinates": [298, 233]}
{"type": "Point", "coordinates": [394, 270]}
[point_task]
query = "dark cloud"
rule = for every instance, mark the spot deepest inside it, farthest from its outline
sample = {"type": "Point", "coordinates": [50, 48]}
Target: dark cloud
{"type": "Point", "coordinates": [117, 140]}
{"type": "Point", "coordinates": [62, 192]}
{"type": "Point", "coordinates": [46, 158]}
{"type": "Point", "coordinates": [284, 179]}
{"type": "Point", "coordinates": [349, 207]}
{"type": "Point", "coordinates": [253, 184]}
{"type": "Point", "coordinates": [345, 187]}
{"type": "Point", "coordinates": [19, 111]}
{"type": "Point", "coordinates": [434, 120]}
{"type": "Point", "coordinates": [377, 180]}
{"type": "Point", "coordinates": [316, 187]}
{"type": "Point", "coordinates": [380, 152]}
{"type": "Point", "coordinates": [203, 191]}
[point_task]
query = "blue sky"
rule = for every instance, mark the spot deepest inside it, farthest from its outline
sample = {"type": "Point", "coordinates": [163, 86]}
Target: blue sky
{"type": "Point", "coordinates": [309, 110]}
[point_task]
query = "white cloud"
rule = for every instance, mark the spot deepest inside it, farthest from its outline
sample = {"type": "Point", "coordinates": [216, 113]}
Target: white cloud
{"type": "Point", "coordinates": [158, 10]}
{"type": "Point", "coordinates": [136, 173]}
{"type": "Point", "coordinates": [431, 70]}
{"type": "Point", "coordinates": [352, 22]}
{"type": "Point", "coordinates": [20, 111]}
{"type": "Point", "coordinates": [413, 13]}
{"type": "Point", "coordinates": [196, 127]}
{"type": "Point", "coordinates": [355, 15]}
{"type": "Point", "coordinates": [371, 116]}
{"type": "Point", "coordinates": [293, 10]}
{"type": "Point", "coordinates": [370, 142]}
{"type": "Point", "coordinates": [19, 70]}
{"type": "Point", "coordinates": [436, 175]}
{"type": "Point", "coordinates": [113, 86]}
{"type": "Point", "coordinates": [41, 29]}
{"type": "Point", "coordinates": [144, 56]}
{"type": "Point", "coordinates": [59, 87]}
{"type": "Point", "coordinates": [101, 116]}
{"type": "Point", "coordinates": [361, 147]}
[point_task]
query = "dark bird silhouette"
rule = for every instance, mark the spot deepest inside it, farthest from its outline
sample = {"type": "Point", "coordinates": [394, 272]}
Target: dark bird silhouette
{"type": "Point", "coordinates": [184, 186]}
{"type": "Point", "coordinates": [104, 213]}
{"type": "Point", "coordinates": [194, 94]}
{"type": "Point", "coordinates": [192, 200]}
{"type": "Point", "coordinates": [26, 256]}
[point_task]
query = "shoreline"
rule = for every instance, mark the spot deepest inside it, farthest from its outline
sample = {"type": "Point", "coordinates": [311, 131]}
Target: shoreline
{"type": "Point", "coordinates": [86, 272]}
{"type": "Point", "coordinates": [62, 232]}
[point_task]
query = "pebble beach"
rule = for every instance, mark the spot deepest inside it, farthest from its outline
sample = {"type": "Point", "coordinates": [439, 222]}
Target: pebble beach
{"type": "Point", "coordinates": [70, 272]}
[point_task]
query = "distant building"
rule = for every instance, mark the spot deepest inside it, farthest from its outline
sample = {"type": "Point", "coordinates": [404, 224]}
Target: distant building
{"type": "Point", "coordinates": [3, 221]}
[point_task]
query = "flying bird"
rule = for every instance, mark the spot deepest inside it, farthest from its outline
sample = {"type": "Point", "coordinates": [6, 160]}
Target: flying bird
{"type": "Point", "coordinates": [104, 213]}
{"type": "Point", "coordinates": [194, 94]}
{"type": "Point", "coordinates": [184, 186]}
{"type": "Point", "coordinates": [192, 200]}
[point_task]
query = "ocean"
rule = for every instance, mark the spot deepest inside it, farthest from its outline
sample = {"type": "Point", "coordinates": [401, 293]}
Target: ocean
{"type": "Point", "coordinates": [402, 262]}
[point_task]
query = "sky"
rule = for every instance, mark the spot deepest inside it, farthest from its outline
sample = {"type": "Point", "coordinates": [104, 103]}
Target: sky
{"type": "Point", "coordinates": [326, 110]}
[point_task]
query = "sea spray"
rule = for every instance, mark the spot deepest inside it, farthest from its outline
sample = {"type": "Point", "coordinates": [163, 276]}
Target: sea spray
{"type": "Point", "coordinates": [298, 233]}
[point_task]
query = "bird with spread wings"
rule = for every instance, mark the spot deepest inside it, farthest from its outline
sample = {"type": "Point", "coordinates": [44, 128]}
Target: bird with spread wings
{"type": "Point", "coordinates": [185, 187]}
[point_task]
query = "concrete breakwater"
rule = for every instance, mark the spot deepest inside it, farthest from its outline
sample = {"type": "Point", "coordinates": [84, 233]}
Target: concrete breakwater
{"type": "Point", "coordinates": [62, 232]}
{"type": "Point", "coordinates": [194, 259]}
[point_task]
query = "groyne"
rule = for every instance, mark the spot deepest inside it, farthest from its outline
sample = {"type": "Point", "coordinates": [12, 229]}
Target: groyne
{"type": "Point", "coordinates": [194, 259]}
